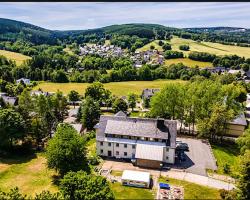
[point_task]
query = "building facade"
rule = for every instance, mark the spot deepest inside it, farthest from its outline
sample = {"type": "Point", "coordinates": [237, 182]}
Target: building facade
{"type": "Point", "coordinates": [150, 142]}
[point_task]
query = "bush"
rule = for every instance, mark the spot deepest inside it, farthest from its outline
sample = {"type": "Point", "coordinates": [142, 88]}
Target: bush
{"type": "Point", "coordinates": [184, 47]}
{"type": "Point", "coordinates": [173, 54]}
{"type": "Point", "coordinates": [226, 168]}
{"type": "Point", "coordinates": [166, 47]}
{"type": "Point", "coordinates": [202, 56]}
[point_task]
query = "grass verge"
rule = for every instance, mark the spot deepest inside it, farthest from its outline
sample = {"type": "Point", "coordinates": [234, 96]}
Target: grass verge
{"type": "Point", "coordinates": [192, 190]}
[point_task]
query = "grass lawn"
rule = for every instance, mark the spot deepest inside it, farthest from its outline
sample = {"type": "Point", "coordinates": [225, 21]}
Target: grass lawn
{"type": "Point", "coordinates": [68, 50]}
{"type": "Point", "coordinates": [147, 46]}
{"type": "Point", "coordinates": [17, 57]}
{"type": "Point", "coordinates": [126, 192]}
{"type": "Point", "coordinates": [192, 190]}
{"type": "Point", "coordinates": [226, 154]}
{"type": "Point", "coordinates": [188, 62]}
{"type": "Point", "coordinates": [91, 147]}
{"type": "Point", "coordinates": [117, 88]}
{"type": "Point", "coordinates": [28, 173]}
{"type": "Point", "coordinates": [116, 173]}
{"type": "Point", "coordinates": [209, 47]}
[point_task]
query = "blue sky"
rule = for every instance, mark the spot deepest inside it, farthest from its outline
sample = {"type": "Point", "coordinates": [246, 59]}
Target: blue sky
{"type": "Point", "coordinates": [86, 15]}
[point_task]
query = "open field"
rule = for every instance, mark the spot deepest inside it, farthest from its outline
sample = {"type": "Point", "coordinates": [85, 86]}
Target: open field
{"type": "Point", "coordinates": [188, 62]}
{"type": "Point", "coordinates": [17, 57]}
{"type": "Point", "coordinates": [126, 192]}
{"type": "Point", "coordinates": [117, 88]}
{"type": "Point", "coordinates": [68, 50]}
{"type": "Point", "coordinates": [226, 154]}
{"type": "Point", "coordinates": [147, 46]}
{"type": "Point", "coordinates": [193, 191]}
{"type": "Point", "coordinates": [28, 173]}
{"type": "Point", "coordinates": [210, 47]}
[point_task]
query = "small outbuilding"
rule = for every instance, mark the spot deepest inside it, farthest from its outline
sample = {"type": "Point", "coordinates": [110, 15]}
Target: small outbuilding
{"type": "Point", "coordinates": [136, 178]}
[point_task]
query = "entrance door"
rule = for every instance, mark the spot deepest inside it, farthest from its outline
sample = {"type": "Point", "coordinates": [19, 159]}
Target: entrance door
{"type": "Point", "coordinates": [109, 153]}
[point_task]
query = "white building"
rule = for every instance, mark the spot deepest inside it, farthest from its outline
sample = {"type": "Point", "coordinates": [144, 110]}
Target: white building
{"type": "Point", "coordinates": [26, 81]}
{"type": "Point", "coordinates": [136, 178]}
{"type": "Point", "coordinates": [150, 142]}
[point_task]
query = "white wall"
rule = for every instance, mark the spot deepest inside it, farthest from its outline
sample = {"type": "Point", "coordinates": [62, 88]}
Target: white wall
{"type": "Point", "coordinates": [113, 149]}
{"type": "Point", "coordinates": [170, 153]}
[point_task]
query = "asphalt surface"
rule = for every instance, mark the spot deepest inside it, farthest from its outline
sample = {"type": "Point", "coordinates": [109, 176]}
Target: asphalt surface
{"type": "Point", "coordinates": [198, 159]}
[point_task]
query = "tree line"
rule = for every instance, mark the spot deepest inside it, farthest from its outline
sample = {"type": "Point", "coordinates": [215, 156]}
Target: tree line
{"type": "Point", "coordinates": [207, 104]}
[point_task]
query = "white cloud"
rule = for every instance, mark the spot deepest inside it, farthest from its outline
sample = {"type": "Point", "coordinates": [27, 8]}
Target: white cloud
{"type": "Point", "coordinates": [92, 15]}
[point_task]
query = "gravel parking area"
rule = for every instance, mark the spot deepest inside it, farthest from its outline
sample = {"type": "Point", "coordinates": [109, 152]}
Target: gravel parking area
{"type": "Point", "coordinates": [199, 158]}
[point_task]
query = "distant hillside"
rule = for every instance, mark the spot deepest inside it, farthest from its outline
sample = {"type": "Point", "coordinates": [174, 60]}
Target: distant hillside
{"type": "Point", "coordinates": [218, 29]}
{"type": "Point", "coordinates": [11, 30]}
{"type": "Point", "coordinates": [241, 36]}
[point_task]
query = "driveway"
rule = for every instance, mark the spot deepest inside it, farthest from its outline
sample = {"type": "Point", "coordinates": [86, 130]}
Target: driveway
{"type": "Point", "coordinates": [198, 159]}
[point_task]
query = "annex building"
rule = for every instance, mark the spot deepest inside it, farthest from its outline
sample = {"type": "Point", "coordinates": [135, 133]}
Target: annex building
{"type": "Point", "coordinates": [149, 142]}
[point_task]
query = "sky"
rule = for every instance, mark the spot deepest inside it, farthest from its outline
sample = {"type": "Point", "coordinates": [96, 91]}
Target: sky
{"type": "Point", "coordinates": [87, 15]}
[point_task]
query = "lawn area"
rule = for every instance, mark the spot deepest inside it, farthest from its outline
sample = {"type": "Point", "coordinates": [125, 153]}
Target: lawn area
{"type": "Point", "coordinates": [147, 46]}
{"type": "Point", "coordinates": [116, 173]}
{"type": "Point", "coordinates": [117, 88]}
{"type": "Point", "coordinates": [192, 190]}
{"type": "Point", "coordinates": [188, 62]}
{"type": "Point", "coordinates": [17, 57]}
{"type": "Point", "coordinates": [126, 192]}
{"type": "Point", "coordinates": [91, 147]}
{"type": "Point", "coordinates": [226, 154]}
{"type": "Point", "coordinates": [28, 173]}
{"type": "Point", "coordinates": [209, 47]}
{"type": "Point", "coordinates": [68, 50]}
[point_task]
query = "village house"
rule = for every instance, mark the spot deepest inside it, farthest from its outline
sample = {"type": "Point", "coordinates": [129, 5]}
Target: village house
{"type": "Point", "coordinates": [26, 81]}
{"type": "Point", "coordinates": [149, 92]}
{"type": "Point", "coordinates": [236, 127]}
{"type": "Point", "coordinates": [147, 142]}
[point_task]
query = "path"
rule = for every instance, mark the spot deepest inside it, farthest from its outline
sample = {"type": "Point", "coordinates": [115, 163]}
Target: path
{"type": "Point", "coordinates": [198, 179]}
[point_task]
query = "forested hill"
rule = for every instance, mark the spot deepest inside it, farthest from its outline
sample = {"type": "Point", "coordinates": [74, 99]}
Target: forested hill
{"type": "Point", "coordinates": [11, 30]}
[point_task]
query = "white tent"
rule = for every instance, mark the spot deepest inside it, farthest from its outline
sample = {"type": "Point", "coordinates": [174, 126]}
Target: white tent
{"type": "Point", "coordinates": [136, 178]}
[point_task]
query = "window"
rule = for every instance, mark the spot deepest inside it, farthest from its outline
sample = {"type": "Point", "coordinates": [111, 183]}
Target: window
{"type": "Point", "coordinates": [109, 144]}
{"type": "Point", "coordinates": [101, 150]}
{"type": "Point", "coordinates": [117, 153]}
{"type": "Point", "coordinates": [156, 140]}
{"type": "Point", "coordinates": [167, 157]}
{"type": "Point", "coordinates": [146, 138]}
{"type": "Point", "coordinates": [167, 149]}
{"type": "Point", "coordinates": [117, 145]}
{"type": "Point", "coordinates": [125, 153]}
{"type": "Point", "coordinates": [125, 145]}
{"type": "Point", "coordinates": [133, 146]}
{"type": "Point", "coordinates": [101, 143]}
{"type": "Point", "coordinates": [163, 140]}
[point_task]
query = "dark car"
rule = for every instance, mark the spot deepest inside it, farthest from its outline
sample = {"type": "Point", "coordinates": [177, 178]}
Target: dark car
{"type": "Point", "coordinates": [182, 146]}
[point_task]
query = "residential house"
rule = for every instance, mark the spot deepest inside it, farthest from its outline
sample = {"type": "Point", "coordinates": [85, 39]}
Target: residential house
{"type": "Point", "coordinates": [147, 142]}
{"type": "Point", "coordinates": [26, 81]}
{"type": "Point", "coordinates": [236, 127]}
{"type": "Point", "coordinates": [10, 100]}
{"type": "Point", "coordinates": [149, 92]}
